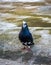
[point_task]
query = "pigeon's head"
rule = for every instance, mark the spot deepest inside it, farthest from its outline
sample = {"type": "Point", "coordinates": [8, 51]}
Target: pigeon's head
{"type": "Point", "coordinates": [24, 24]}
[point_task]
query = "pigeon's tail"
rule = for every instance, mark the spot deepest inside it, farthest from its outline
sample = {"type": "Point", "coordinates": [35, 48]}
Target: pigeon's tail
{"type": "Point", "coordinates": [31, 43]}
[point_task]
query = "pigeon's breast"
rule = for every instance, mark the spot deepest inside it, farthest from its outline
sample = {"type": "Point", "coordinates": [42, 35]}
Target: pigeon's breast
{"type": "Point", "coordinates": [25, 33]}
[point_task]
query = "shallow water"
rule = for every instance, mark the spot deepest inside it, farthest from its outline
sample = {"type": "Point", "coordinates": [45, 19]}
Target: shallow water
{"type": "Point", "coordinates": [10, 46]}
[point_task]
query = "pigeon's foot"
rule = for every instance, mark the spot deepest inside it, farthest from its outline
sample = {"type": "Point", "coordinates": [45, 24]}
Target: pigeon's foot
{"type": "Point", "coordinates": [24, 48]}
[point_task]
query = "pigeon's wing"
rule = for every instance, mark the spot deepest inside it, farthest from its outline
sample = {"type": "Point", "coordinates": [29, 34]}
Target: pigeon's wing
{"type": "Point", "coordinates": [20, 37]}
{"type": "Point", "coordinates": [30, 38]}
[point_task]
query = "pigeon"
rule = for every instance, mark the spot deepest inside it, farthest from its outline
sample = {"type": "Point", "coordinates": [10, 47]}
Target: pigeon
{"type": "Point", "coordinates": [25, 36]}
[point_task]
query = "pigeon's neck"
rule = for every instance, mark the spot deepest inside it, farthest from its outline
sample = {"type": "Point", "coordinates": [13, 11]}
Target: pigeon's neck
{"type": "Point", "coordinates": [25, 29]}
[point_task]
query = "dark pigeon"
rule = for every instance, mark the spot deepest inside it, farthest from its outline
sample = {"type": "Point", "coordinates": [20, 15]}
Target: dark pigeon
{"type": "Point", "coordinates": [25, 36]}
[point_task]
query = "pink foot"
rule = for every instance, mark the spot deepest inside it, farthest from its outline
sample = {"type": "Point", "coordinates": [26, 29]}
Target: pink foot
{"type": "Point", "coordinates": [23, 48]}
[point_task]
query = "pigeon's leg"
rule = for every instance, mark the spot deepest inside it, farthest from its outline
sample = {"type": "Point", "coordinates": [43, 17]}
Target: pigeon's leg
{"type": "Point", "coordinates": [24, 46]}
{"type": "Point", "coordinates": [28, 46]}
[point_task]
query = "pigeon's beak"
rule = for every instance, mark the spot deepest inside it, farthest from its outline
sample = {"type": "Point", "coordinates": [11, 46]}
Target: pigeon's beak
{"type": "Point", "coordinates": [24, 24]}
